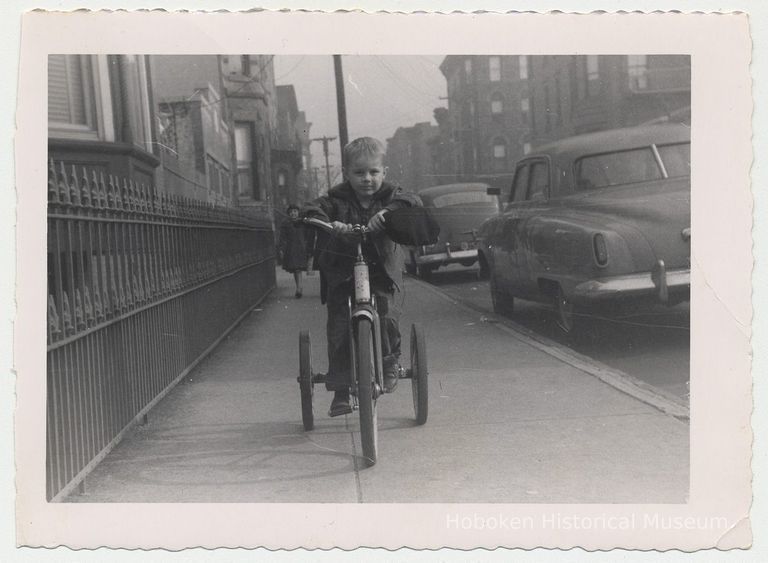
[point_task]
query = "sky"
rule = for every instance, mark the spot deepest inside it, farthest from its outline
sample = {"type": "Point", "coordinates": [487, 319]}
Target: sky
{"type": "Point", "coordinates": [382, 93]}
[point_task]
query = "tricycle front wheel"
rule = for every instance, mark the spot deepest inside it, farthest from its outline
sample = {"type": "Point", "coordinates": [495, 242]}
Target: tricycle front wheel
{"type": "Point", "coordinates": [306, 386]}
{"type": "Point", "coordinates": [419, 374]}
{"type": "Point", "coordinates": [365, 359]}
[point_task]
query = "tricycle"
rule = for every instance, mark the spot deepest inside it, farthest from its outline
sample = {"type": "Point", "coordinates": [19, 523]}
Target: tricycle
{"type": "Point", "coordinates": [366, 373]}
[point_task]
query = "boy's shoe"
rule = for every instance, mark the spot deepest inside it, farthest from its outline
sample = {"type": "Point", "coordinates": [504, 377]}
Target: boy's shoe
{"type": "Point", "coordinates": [298, 295]}
{"type": "Point", "coordinates": [340, 404]}
{"type": "Point", "coordinates": [391, 376]}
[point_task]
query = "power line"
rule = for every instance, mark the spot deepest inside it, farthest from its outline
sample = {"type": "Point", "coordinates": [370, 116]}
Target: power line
{"type": "Point", "coordinates": [426, 96]}
{"type": "Point", "coordinates": [294, 67]}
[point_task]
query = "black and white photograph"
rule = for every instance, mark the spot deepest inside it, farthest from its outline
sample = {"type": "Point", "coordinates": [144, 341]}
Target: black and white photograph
{"type": "Point", "coordinates": [333, 277]}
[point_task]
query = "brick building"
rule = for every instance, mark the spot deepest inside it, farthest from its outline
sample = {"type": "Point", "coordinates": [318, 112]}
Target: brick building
{"type": "Point", "coordinates": [249, 85]}
{"type": "Point", "coordinates": [499, 107]}
{"type": "Point", "coordinates": [195, 140]}
{"type": "Point", "coordinates": [409, 156]}
{"type": "Point", "coordinates": [291, 159]}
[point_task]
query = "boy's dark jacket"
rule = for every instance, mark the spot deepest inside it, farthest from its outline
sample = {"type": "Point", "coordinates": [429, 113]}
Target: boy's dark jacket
{"type": "Point", "coordinates": [337, 253]}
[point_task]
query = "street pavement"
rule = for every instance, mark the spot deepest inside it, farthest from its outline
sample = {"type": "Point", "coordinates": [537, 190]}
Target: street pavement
{"type": "Point", "coordinates": [509, 422]}
{"type": "Point", "coordinates": [652, 345]}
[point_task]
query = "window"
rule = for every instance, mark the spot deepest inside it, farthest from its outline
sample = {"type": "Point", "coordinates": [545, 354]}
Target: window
{"type": "Point", "coordinates": [539, 181]}
{"type": "Point", "coordinates": [520, 183]}
{"type": "Point", "coordinates": [525, 111]}
{"type": "Point", "coordinates": [281, 179]}
{"type": "Point", "coordinates": [244, 156]}
{"type": "Point", "coordinates": [134, 73]}
{"type": "Point", "coordinates": [478, 198]}
{"type": "Point", "coordinates": [467, 115]}
{"type": "Point", "coordinates": [499, 150]}
{"type": "Point", "coordinates": [526, 148]}
{"type": "Point", "coordinates": [581, 80]}
{"type": "Point", "coordinates": [499, 154]}
{"type": "Point", "coordinates": [494, 68]}
{"type": "Point", "coordinates": [224, 180]}
{"type": "Point", "coordinates": [497, 103]}
{"type": "Point", "coordinates": [523, 63]}
{"type": "Point", "coordinates": [676, 159]}
{"type": "Point", "coordinates": [593, 75]}
{"type": "Point", "coordinates": [245, 65]}
{"type": "Point", "coordinates": [468, 68]}
{"type": "Point", "coordinates": [616, 168]}
{"type": "Point", "coordinates": [79, 101]}
{"type": "Point", "coordinates": [70, 91]}
{"type": "Point", "coordinates": [637, 69]}
{"type": "Point", "coordinates": [214, 179]}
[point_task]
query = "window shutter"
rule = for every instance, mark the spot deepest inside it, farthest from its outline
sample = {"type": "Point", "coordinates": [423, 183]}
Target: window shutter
{"type": "Point", "coordinates": [66, 90]}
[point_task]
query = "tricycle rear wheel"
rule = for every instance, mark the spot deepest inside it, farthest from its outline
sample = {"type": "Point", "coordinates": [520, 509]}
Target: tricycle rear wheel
{"type": "Point", "coordinates": [306, 386]}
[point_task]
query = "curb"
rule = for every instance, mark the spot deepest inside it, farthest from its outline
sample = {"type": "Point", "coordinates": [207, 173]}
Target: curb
{"type": "Point", "coordinates": [622, 381]}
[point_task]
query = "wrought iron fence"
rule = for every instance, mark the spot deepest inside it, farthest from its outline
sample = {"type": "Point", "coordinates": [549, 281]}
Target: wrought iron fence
{"type": "Point", "coordinates": [140, 287]}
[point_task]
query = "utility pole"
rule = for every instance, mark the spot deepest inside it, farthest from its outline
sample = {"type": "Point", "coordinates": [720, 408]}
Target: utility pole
{"type": "Point", "coordinates": [341, 104]}
{"type": "Point", "coordinates": [325, 141]}
{"type": "Point", "coordinates": [315, 181]}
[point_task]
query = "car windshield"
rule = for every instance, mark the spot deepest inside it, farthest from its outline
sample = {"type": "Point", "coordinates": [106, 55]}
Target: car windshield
{"type": "Point", "coordinates": [616, 168]}
{"type": "Point", "coordinates": [676, 159]}
{"type": "Point", "coordinates": [464, 198]}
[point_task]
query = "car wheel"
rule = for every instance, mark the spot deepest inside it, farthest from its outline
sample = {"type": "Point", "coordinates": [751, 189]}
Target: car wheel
{"type": "Point", "coordinates": [484, 269]}
{"type": "Point", "coordinates": [503, 304]}
{"type": "Point", "coordinates": [410, 265]}
{"type": "Point", "coordinates": [424, 272]}
{"type": "Point", "coordinates": [564, 310]}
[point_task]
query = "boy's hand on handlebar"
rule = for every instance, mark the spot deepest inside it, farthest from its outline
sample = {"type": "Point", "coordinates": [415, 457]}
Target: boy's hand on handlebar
{"type": "Point", "coordinates": [376, 224]}
{"type": "Point", "coordinates": [341, 228]}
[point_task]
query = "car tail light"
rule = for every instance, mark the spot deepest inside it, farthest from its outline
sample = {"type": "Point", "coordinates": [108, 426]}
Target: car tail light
{"type": "Point", "coordinates": [601, 249]}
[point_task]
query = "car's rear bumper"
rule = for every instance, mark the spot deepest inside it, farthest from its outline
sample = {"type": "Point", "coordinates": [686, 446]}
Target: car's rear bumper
{"type": "Point", "coordinates": [448, 257]}
{"type": "Point", "coordinates": [660, 284]}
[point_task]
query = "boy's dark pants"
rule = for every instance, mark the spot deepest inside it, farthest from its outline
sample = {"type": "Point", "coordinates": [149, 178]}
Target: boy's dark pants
{"type": "Point", "coordinates": [338, 333]}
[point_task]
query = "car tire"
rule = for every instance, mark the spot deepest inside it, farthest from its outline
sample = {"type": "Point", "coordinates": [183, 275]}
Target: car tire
{"type": "Point", "coordinates": [410, 265]}
{"type": "Point", "coordinates": [564, 311]}
{"type": "Point", "coordinates": [485, 271]}
{"type": "Point", "coordinates": [424, 272]}
{"type": "Point", "coordinates": [503, 304]}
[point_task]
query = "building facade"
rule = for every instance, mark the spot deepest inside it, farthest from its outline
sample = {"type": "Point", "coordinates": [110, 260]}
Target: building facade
{"type": "Point", "coordinates": [488, 116]}
{"type": "Point", "coordinates": [249, 85]}
{"type": "Point", "coordinates": [100, 115]}
{"type": "Point", "coordinates": [409, 157]}
{"type": "Point", "coordinates": [500, 107]}
{"type": "Point", "coordinates": [291, 161]}
{"type": "Point", "coordinates": [195, 139]}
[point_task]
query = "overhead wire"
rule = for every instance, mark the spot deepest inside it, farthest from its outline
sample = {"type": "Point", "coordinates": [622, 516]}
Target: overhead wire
{"type": "Point", "coordinates": [294, 67]}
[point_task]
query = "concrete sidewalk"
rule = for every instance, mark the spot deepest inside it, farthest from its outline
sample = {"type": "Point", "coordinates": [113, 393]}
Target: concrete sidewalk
{"type": "Point", "coordinates": [508, 423]}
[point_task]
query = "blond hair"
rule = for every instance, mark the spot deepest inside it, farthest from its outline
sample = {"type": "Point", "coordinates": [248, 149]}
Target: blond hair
{"type": "Point", "coordinates": [363, 146]}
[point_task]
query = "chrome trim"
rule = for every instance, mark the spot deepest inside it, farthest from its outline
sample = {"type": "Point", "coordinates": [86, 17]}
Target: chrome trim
{"type": "Point", "coordinates": [657, 156]}
{"type": "Point", "coordinates": [444, 257]}
{"type": "Point", "coordinates": [632, 284]}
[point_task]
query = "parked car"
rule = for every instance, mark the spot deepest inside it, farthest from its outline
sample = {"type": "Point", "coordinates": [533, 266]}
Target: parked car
{"type": "Point", "coordinates": [593, 220]}
{"type": "Point", "coordinates": [459, 210]}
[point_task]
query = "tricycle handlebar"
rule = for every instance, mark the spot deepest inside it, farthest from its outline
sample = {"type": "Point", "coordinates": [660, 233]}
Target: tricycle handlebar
{"type": "Point", "coordinates": [324, 225]}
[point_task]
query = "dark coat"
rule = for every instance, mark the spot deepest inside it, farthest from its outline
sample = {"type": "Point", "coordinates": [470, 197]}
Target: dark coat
{"type": "Point", "coordinates": [295, 246]}
{"type": "Point", "coordinates": [336, 254]}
